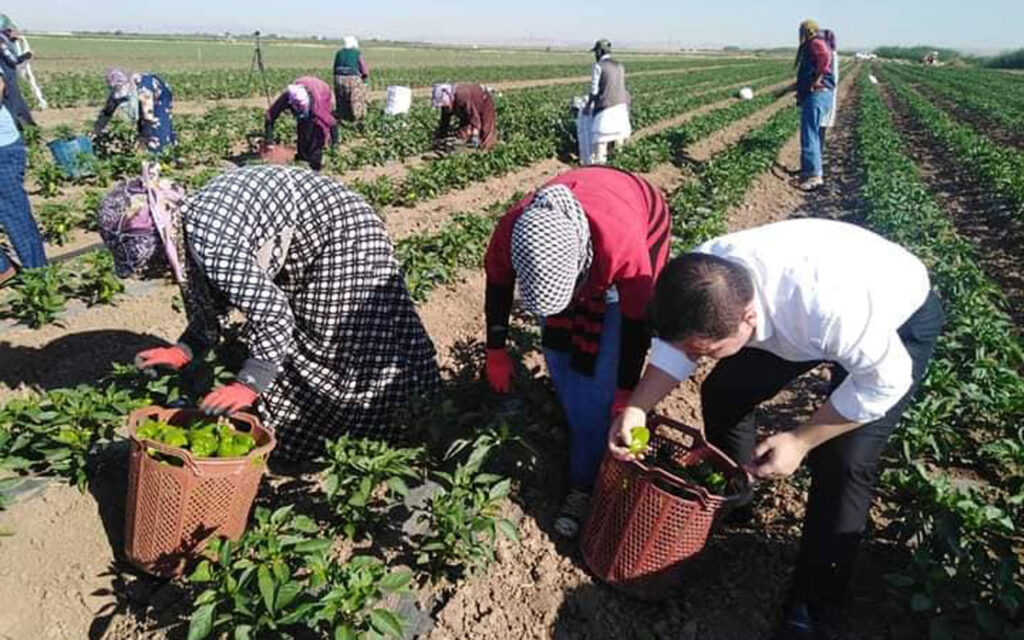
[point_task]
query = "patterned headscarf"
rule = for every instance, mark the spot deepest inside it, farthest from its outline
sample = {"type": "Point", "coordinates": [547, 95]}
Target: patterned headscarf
{"type": "Point", "coordinates": [298, 98]}
{"type": "Point", "coordinates": [551, 250]}
{"type": "Point", "coordinates": [829, 36]}
{"type": "Point", "coordinates": [808, 29]}
{"type": "Point", "coordinates": [349, 42]}
{"type": "Point", "coordinates": [137, 218]}
{"type": "Point", "coordinates": [443, 95]}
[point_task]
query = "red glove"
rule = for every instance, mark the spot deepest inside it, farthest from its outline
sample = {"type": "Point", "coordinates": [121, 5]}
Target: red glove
{"type": "Point", "coordinates": [621, 401]}
{"type": "Point", "coordinates": [228, 399]}
{"type": "Point", "coordinates": [169, 357]}
{"type": "Point", "coordinates": [499, 370]}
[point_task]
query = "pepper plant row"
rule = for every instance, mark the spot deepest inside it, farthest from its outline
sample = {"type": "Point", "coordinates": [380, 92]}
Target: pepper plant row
{"type": "Point", "coordinates": [963, 579]}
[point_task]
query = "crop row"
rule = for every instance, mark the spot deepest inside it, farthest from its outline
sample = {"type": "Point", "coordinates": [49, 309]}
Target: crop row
{"type": "Point", "coordinates": [77, 88]}
{"type": "Point", "coordinates": [999, 168]}
{"type": "Point", "coordinates": [963, 578]}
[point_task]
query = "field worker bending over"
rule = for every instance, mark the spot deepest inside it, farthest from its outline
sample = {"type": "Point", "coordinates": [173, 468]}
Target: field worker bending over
{"type": "Point", "coordinates": [585, 249]}
{"type": "Point", "coordinates": [335, 344]}
{"type": "Point", "coordinates": [10, 59]}
{"type": "Point", "coordinates": [350, 75]}
{"type": "Point", "coordinates": [770, 304]}
{"type": "Point", "coordinates": [15, 209]}
{"type": "Point", "coordinates": [473, 105]}
{"type": "Point", "coordinates": [146, 101]}
{"type": "Point", "coordinates": [309, 100]}
{"type": "Point", "coordinates": [608, 104]}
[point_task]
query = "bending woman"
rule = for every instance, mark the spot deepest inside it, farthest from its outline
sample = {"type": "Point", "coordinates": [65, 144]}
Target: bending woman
{"type": "Point", "coordinates": [335, 344]}
{"type": "Point", "coordinates": [146, 101]}
{"type": "Point", "coordinates": [309, 100]}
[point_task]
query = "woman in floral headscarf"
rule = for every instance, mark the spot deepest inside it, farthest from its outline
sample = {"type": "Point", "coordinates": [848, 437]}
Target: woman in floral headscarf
{"type": "Point", "coordinates": [309, 100]}
{"type": "Point", "coordinates": [146, 100]}
{"type": "Point", "coordinates": [474, 107]}
{"type": "Point", "coordinates": [335, 344]}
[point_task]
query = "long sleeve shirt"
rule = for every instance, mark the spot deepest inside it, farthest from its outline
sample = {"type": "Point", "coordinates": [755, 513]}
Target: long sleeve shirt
{"type": "Point", "coordinates": [826, 291]}
{"type": "Point", "coordinates": [630, 232]}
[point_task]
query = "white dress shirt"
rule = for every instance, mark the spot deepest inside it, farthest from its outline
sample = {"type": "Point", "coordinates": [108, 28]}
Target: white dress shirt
{"type": "Point", "coordinates": [826, 290]}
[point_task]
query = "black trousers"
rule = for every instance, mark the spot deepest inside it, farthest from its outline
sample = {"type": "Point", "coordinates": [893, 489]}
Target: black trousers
{"type": "Point", "coordinates": [843, 470]}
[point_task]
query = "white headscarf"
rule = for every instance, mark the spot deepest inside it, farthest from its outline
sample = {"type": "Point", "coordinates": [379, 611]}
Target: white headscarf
{"type": "Point", "coordinates": [349, 42]}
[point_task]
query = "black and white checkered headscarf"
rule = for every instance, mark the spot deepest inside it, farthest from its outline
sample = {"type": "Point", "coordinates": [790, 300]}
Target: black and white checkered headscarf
{"type": "Point", "coordinates": [551, 250]}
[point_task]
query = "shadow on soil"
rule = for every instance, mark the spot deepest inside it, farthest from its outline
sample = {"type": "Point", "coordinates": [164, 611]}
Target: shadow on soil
{"type": "Point", "coordinates": [79, 358]}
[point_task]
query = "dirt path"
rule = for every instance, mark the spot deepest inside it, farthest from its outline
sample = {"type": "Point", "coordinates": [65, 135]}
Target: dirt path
{"type": "Point", "coordinates": [979, 216]}
{"type": "Point", "coordinates": [77, 115]}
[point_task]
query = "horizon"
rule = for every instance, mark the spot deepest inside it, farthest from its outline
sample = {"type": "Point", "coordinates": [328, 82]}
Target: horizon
{"type": "Point", "coordinates": [863, 25]}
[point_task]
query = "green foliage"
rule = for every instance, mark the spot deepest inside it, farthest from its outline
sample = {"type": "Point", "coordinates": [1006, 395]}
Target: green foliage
{"type": "Point", "coordinates": [917, 53]}
{"type": "Point", "coordinates": [54, 434]}
{"type": "Point", "coordinates": [363, 480]}
{"type": "Point", "coordinates": [38, 295]}
{"type": "Point", "coordinates": [1008, 60]}
{"type": "Point", "coordinates": [278, 579]}
{"type": "Point", "coordinates": [97, 282]}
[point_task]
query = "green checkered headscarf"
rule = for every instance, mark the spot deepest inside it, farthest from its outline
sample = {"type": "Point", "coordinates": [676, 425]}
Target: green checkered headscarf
{"type": "Point", "coordinates": [6, 24]}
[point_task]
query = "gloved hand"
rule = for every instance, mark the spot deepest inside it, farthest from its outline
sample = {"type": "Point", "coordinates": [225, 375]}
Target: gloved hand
{"type": "Point", "coordinates": [621, 401]}
{"type": "Point", "coordinates": [499, 369]}
{"type": "Point", "coordinates": [167, 357]}
{"type": "Point", "coordinates": [230, 398]}
{"type": "Point", "coordinates": [619, 435]}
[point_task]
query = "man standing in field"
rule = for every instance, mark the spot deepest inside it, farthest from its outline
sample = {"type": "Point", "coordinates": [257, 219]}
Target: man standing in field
{"type": "Point", "coordinates": [9, 61]}
{"type": "Point", "coordinates": [608, 105]}
{"type": "Point", "coordinates": [769, 304]}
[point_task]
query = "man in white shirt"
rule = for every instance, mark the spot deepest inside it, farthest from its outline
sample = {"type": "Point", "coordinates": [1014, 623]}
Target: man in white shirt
{"type": "Point", "coordinates": [769, 304]}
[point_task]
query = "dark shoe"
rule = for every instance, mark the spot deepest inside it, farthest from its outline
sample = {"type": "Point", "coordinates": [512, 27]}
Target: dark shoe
{"type": "Point", "coordinates": [740, 517]}
{"type": "Point", "coordinates": [809, 622]}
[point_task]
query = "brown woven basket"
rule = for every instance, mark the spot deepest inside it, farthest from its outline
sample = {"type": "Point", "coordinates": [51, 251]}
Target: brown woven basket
{"type": "Point", "coordinates": [170, 511]}
{"type": "Point", "coordinates": [646, 523]}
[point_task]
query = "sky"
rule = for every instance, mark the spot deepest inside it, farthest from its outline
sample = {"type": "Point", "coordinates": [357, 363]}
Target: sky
{"type": "Point", "coordinates": [979, 25]}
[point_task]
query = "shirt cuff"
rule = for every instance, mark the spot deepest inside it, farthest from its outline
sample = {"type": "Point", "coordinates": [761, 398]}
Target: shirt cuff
{"type": "Point", "coordinates": [862, 404]}
{"type": "Point", "coordinates": [671, 360]}
{"type": "Point", "coordinates": [257, 374]}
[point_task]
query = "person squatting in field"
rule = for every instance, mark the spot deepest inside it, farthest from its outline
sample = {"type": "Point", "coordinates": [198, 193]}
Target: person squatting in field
{"type": "Point", "coordinates": [815, 89]}
{"type": "Point", "coordinates": [608, 105]}
{"type": "Point", "coordinates": [769, 304]}
{"type": "Point", "coordinates": [15, 209]}
{"type": "Point", "coordinates": [350, 76]}
{"type": "Point", "coordinates": [473, 106]}
{"type": "Point", "coordinates": [146, 101]}
{"type": "Point", "coordinates": [309, 100]}
{"type": "Point", "coordinates": [334, 342]}
{"type": "Point", "coordinates": [585, 249]}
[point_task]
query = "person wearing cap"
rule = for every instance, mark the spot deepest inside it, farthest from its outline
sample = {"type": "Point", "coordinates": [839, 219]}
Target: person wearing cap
{"type": "Point", "coordinates": [769, 304]}
{"type": "Point", "coordinates": [10, 58]}
{"type": "Point", "coordinates": [350, 76]}
{"type": "Point", "coordinates": [15, 209]}
{"type": "Point", "coordinates": [585, 250]}
{"type": "Point", "coordinates": [309, 100]}
{"type": "Point", "coordinates": [146, 101]}
{"type": "Point", "coordinates": [334, 342]}
{"type": "Point", "coordinates": [473, 106]}
{"type": "Point", "coordinates": [815, 87]}
{"type": "Point", "coordinates": [608, 105]}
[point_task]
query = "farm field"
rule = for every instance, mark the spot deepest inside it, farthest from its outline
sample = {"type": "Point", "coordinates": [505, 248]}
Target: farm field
{"type": "Point", "coordinates": [929, 158]}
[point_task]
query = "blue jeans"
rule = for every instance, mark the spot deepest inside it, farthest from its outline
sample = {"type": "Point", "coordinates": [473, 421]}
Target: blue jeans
{"type": "Point", "coordinates": [16, 212]}
{"type": "Point", "coordinates": [814, 111]}
{"type": "Point", "coordinates": [587, 401]}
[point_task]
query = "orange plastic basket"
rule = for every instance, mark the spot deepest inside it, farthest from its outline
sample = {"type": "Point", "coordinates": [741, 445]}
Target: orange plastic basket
{"type": "Point", "coordinates": [171, 511]}
{"type": "Point", "coordinates": [646, 523]}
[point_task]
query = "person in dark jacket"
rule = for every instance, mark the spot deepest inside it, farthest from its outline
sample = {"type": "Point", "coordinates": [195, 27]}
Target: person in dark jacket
{"type": "Point", "coordinates": [473, 105]}
{"type": "Point", "coordinates": [350, 76]}
{"type": "Point", "coordinates": [309, 100]}
{"type": "Point", "coordinates": [9, 61]}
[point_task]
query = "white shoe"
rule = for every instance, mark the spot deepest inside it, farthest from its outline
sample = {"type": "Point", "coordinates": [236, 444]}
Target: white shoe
{"type": "Point", "coordinates": [810, 184]}
{"type": "Point", "coordinates": [574, 512]}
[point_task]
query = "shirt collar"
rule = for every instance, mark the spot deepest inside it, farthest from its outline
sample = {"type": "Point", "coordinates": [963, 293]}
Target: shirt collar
{"type": "Point", "coordinates": [605, 57]}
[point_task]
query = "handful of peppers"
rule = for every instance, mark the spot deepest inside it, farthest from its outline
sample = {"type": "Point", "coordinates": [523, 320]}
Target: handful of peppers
{"type": "Point", "coordinates": [202, 439]}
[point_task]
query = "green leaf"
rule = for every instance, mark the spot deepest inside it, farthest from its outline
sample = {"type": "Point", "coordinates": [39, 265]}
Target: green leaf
{"type": "Point", "coordinates": [305, 524]}
{"type": "Point", "coordinates": [345, 632]}
{"type": "Point", "coordinates": [243, 632]}
{"type": "Point", "coordinates": [281, 514]}
{"type": "Point", "coordinates": [385, 622]}
{"type": "Point", "coordinates": [201, 624]}
{"type": "Point", "coordinates": [266, 585]}
{"type": "Point", "coordinates": [287, 593]}
{"type": "Point", "coordinates": [920, 602]}
{"type": "Point", "coordinates": [202, 573]}
{"type": "Point", "coordinates": [508, 529]}
{"type": "Point", "coordinates": [501, 490]}
{"type": "Point", "coordinates": [399, 486]}
{"type": "Point", "coordinates": [312, 546]}
{"type": "Point", "coordinates": [394, 581]}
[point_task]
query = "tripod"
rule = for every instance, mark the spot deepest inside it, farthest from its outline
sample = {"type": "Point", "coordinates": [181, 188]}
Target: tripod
{"type": "Point", "coordinates": [257, 63]}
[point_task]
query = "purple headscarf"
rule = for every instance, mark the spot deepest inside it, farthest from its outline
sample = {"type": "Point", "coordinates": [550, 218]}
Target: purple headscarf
{"type": "Point", "coordinates": [829, 36]}
{"type": "Point", "coordinates": [137, 218]}
{"type": "Point", "coordinates": [443, 95]}
{"type": "Point", "coordinates": [298, 98]}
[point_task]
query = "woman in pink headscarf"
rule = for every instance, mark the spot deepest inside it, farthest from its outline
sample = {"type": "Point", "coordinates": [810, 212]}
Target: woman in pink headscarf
{"type": "Point", "coordinates": [311, 102]}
